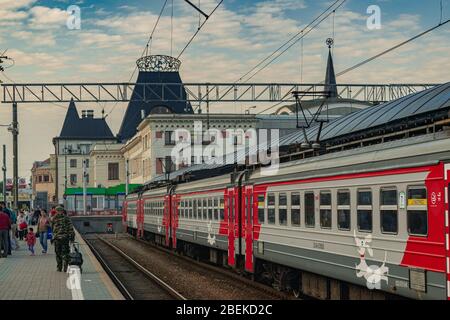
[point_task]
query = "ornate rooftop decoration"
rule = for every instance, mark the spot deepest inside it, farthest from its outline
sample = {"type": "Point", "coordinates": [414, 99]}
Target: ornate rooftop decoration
{"type": "Point", "coordinates": [158, 63]}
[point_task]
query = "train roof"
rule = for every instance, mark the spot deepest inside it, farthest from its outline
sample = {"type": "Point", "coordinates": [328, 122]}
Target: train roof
{"type": "Point", "coordinates": [410, 111]}
{"type": "Point", "coordinates": [411, 152]}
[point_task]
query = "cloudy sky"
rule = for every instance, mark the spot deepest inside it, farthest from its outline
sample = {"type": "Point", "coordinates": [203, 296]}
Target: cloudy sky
{"type": "Point", "coordinates": [242, 32]}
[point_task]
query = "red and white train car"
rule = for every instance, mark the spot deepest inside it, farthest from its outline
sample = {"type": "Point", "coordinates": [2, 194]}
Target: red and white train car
{"type": "Point", "coordinates": [361, 223]}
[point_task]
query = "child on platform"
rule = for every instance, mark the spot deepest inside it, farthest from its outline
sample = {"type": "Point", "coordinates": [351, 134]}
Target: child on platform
{"type": "Point", "coordinates": [31, 240]}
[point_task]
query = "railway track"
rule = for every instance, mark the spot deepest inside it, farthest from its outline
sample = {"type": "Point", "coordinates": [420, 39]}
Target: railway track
{"type": "Point", "coordinates": [225, 272]}
{"type": "Point", "coordinates": [264, 291]}
{"type": "Point", "coordinates": [133, 280]}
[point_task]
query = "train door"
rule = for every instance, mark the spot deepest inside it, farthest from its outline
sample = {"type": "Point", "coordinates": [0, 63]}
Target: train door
{"type": "Point", "coordinates": [167, 218]}
{"type": "Point", "coordinates": [174, 219]}
{"type": "Point", "coordinates": [230, 218]}
{"type": "Point", "coordinates": [447, 219]}
{"type": "Point", "coordinates": [247, 226]}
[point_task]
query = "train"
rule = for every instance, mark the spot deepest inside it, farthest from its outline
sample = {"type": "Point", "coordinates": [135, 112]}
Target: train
{"type": "Point", "coordinates": [364, 223]}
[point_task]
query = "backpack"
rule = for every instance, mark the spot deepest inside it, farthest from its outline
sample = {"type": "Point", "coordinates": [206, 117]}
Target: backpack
{"type": "Point", "coordinates": [75, 256]}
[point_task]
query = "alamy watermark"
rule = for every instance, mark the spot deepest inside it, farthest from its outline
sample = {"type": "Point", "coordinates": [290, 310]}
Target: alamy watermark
{"type": "Point", "coordinates": [73, 22]}
{"type": "Point", "coordinates": [224, 147]}
{"type": "Point", "coordinates": [374, 20]}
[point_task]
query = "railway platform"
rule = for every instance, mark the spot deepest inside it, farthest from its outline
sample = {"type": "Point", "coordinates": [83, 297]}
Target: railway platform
{"type": "Point", "coordinates": [25, 277]}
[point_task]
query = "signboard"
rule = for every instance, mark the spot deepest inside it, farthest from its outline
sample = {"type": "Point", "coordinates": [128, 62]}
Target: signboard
{"type": "Point", "coordinates": [417, 202]}
{"type": "Point", "coordinates": [22, 184]}
{"type": "Point", "coordinates": [9, 184]}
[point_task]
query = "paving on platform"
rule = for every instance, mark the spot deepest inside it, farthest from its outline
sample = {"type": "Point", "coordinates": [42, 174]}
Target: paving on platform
{"type": "Point", "coordinates": [25, 277]}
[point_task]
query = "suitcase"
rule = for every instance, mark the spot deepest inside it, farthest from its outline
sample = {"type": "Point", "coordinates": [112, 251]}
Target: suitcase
{"type": "Point", "coordinates": [75, 256]}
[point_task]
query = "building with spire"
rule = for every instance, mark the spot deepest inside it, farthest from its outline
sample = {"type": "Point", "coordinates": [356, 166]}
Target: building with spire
{"type": "Point", "coordinates": [73, 147]}
{"type": "Point", "coordinates": [156, 71]}
{"type": "Point", "coordinates": [336, 105]}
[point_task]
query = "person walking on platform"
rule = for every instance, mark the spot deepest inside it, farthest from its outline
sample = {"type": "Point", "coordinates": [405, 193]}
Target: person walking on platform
{"type": "Point", "coordinates": [5, 225]}
{"type": "Point", "coordinates": [8, 213]}
{"type": "Point", "coordinates": [31, 240]}
{"type": "Point", "coordinates": [14, 241]}
{"type": "Point", "coordinates": [21, 225]}
{"type": "Point", "coordinates": [63, 234]}
{"type": "Point", "coordinates": [36, 216]}
{"type": "Point", "coordinates": [42, 230]}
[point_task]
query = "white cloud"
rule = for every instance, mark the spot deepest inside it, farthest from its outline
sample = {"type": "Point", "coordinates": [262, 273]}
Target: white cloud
{"type": "Point", "coordinates": [44, 17]}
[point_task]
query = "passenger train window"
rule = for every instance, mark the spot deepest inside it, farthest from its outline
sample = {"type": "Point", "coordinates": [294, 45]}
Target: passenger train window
{"type": "Point", "coordinates": [417, 214]}
{"type": "Point", "coordinates": [364, 210]}
{"type": "Point", "coordinates": [388, 210]}
{"type": "Point", "coordinates": [261, 206]}
{"type": "Point", "coordinates": [210, 209]}
{"type": "Point", "coordinates": [343, 209]}
{"type": "Point", "coordinates": [271, 208]}
{"type": "Point", "coordinates": [325, 209]}
{"type": "Point", "coordinates": [310, 220]}
{"type": "Point", "coordinates": [222, 209]}
{"type": "Point", "coordinates": [295, 209]}
{"type": "Point", "coordinates": [204, 209]}
{"type": "Point", "coordinates": [282, 209]}
{"type": "Point", "coordinates": [216, 209]}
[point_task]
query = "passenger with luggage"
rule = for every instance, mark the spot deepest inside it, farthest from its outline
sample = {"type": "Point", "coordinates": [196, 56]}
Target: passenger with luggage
{"type": "Point", "coordinates": [42, 230]}
{"type": "Point", "coordinates": [63, 234]}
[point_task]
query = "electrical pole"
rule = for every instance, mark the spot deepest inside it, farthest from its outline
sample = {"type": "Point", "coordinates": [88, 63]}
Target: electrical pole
{"type": "Point", "coordinates": [127, 176]}
{"type": "Point", "coordinates": [4, 173]}
{"type": "Point", "coordinates": [15, 133]}
{"type": "Point", "coordinates": [84, 187]}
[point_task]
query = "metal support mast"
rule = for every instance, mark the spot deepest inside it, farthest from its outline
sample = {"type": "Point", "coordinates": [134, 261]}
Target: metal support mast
{"type": "Point", "coordinates": [84, 186]}
{"type": "Point", "coordinates": [15, 133]}
{"type": "Point", "coordinates": [4, 173]}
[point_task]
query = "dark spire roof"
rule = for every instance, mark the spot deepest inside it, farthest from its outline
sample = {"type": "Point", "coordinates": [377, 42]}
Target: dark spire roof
{"type": "Point", "coordinates": [330, 77]}
{"type": "Point", "coordinates": [132, 117]}
{"type": "Point", "coordinates": [75, 127]}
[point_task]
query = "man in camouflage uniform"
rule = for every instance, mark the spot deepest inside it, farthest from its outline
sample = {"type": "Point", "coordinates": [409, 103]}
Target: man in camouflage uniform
{"type": "Point", "coordinates": [63, 233]}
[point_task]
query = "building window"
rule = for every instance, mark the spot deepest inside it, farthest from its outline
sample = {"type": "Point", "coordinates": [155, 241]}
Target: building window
{"type": "Point", "coordinates": [169, 138]}
{"type": "Point", "coordinates": [169, 165]}
{"type": "Point", "coordinates": [159, 166]}
{"type": "Point", "coordinates": [158, 134]}
{"type": "Point", "coordinates": [46, 178]}
{"type": "Point", "coordinates": [87, 163]}
{"type": "Point", "coordinates": [343, 209]}
{"type": "Point", "coordinates": [87, 178]}
{"type": "Point", "coordinates": [73, 178]}
{"type": "Point", "coordinates": [113, 171]}
{"type": "Point", "coordinates": [73, 163]}
{"type": "Point", "coordinates": [39, 178]}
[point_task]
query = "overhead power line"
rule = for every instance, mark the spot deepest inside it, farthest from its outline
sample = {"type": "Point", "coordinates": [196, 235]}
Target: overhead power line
{"type": "Point", "coordinates": [294, 43]}
{"type": "Point", "coordinates": [199, 29]}
{"type": "Point", "coordinates": [375, 57]}
{"type": "Point", "coordinates": [391, 49]}
{"type": "Point", "coordinates": [301, 33]}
